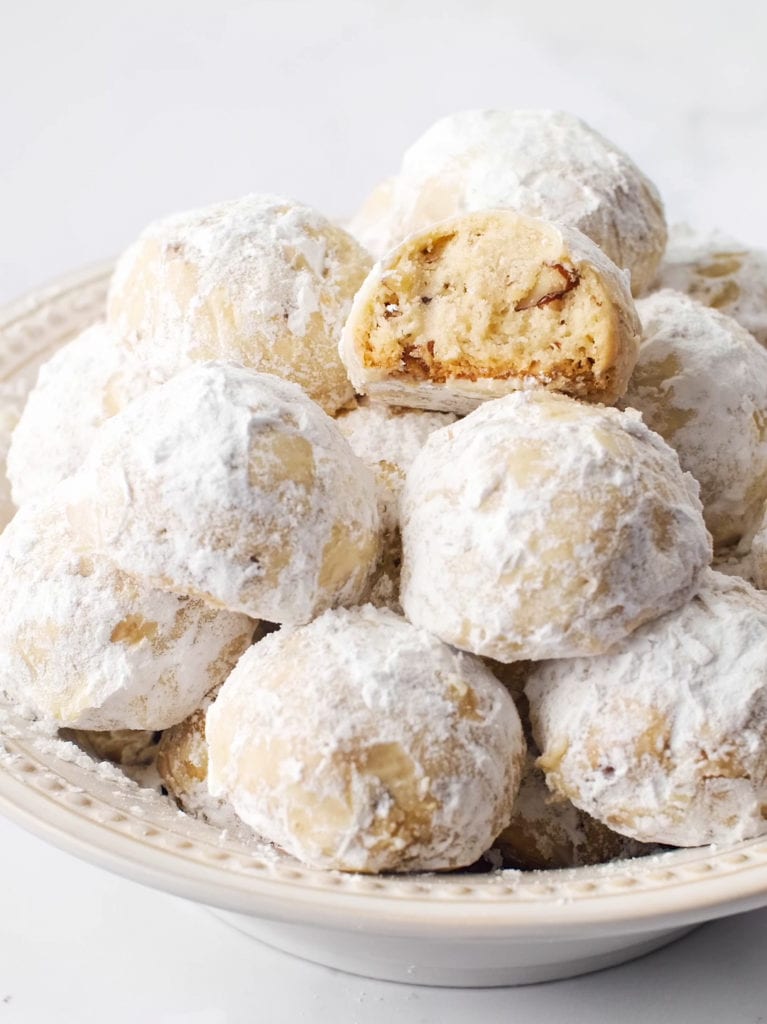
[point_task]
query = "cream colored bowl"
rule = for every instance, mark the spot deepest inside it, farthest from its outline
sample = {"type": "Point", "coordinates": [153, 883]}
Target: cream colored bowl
{"type": "Point", "coordinates": [506, 927]}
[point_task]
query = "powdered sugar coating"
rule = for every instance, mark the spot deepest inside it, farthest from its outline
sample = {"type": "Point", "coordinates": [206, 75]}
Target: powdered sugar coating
{"type": "Point", "coordinates": [540, 162]}
{"type": "Point", "coordinates": [547, 831]}
{"type": "Point", "coordinates": [93, 648]}
{"type": "Point", "coordinates": [562, 527]}
{"type": "Point", "coordinates": [665, 737]}
{"type": "Point", "coordinates": [720, 272]}
{"type": "Point", "coordinates": [85, 383]}
{"type": "Point", "coordinates": [262, 280]}
{"type": "Point", "coordinates": [701, 383]}
{"type": "Point", "coordinates": [233, 486]}
{"type": "Point", "coordinates": [387, 439]}
{"type": "Point", "coordinates": [361, 743]}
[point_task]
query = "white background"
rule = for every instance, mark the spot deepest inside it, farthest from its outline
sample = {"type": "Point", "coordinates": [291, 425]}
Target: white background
{"type": "Point", "coordinates": [111, 115]}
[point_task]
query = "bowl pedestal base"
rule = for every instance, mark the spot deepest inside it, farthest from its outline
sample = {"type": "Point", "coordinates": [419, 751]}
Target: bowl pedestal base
{"type": "Point", "coordinates": [453, 962]}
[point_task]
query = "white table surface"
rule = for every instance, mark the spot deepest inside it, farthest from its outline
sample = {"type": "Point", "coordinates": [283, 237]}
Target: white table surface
{"type": "Point", "coordinates": [111, 115]}
{"type": "Point", "coordinates": [80, 945]}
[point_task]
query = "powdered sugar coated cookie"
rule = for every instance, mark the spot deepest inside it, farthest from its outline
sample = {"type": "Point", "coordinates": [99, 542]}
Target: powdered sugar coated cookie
{"type": "Point", "coordinates": [720, 272]}
{"type": "Point", "coordinates": [541, 527]}
{"type": "Point", "coordinates": [93, 648]}
{"type": "Point", "coordinates": [701, 383]}
{"type": "Point", "coordinates": [262, 280]}
{"type": "Point", "coordinates": [664, 738]}
{"type": "Point", "coordinates": [233, 486]}
{"type": "Point", "coordinates": [361, 743]}
{"type": "Point", "coordinates": [540, 162]}
{"type": "Point", "coordinates": [80, 387]}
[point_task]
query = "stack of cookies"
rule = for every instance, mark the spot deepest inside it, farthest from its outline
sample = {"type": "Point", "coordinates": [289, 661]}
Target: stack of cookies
{"type": "Point", "coordinates": [416, 559]}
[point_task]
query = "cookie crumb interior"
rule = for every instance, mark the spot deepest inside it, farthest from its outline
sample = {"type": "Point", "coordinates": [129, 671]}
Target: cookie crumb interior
{"type": "Point", "coordinates": [489, 299]}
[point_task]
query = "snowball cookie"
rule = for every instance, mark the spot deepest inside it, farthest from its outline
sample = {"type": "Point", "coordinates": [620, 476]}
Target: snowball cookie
{"type": "Point", "coordinates": [361, 743]}
{"type": "Point", "coordinates": [540, 162]}
{"type": "Point", "coordinates": [262, 280]}
{"type": "Point", "coordinates": [701, 383]}
{"type": "Point", "coordinates": [235, 487]}
{"type": "Point", "coordinates": [387, 439]}
{"type": "Point", "coordinates": [81, 386]}
{"type": "Point", "coordinates": [132, 748]}
{"type": "Point", "coordinates": [719, 272]}
{"type": "Point", "coordinates": [562, 528]}
{"type": "Point", "coordinates": [665, 737]}
{"type": "Point", "coordinates": [488, 303]}
{"type": "Point", "coordinates": [182, 761]}
{"type": "Point", "coordinates": [93, 648]}
{"type": "Point", "coordinates": [547, 831]}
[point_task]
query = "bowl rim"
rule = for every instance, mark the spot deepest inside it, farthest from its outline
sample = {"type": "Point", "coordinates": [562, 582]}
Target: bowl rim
{"type": "Point", "coordinates": [69, 810]}
{"type": "Point", "coordinates": [83, 814]}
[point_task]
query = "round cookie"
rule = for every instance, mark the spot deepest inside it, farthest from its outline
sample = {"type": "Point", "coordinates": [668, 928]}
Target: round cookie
{"type": "Point", "coordinates": [182, 761]}
{"type": "Point", "coordinates": [719, 272]}
{"type": "Point", "coordinates": [85, 383]}
{"type": "Point", "coordinates": [95, 649]}
{"type": "Point", "coordinates": [547, 831]}
{"type": "Point", "coordinates": [540, 162]}
{"type": "Point", "coordinates": [387, 439]}
{"type": "Point", "coordinates": [235, 487]}
{"type": "Point", "coordinates": [701, 383]}
{"type": "Point", "coordinates": [664, 738]}
{"type": "Point", "coordinates": [562, 528]}
{"type": "Point", "coordinates": [488, 303]}
{"type": "Point", "coordinates": [261, 280]}
{"type": "Point", "coordinates": [360, 743]}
